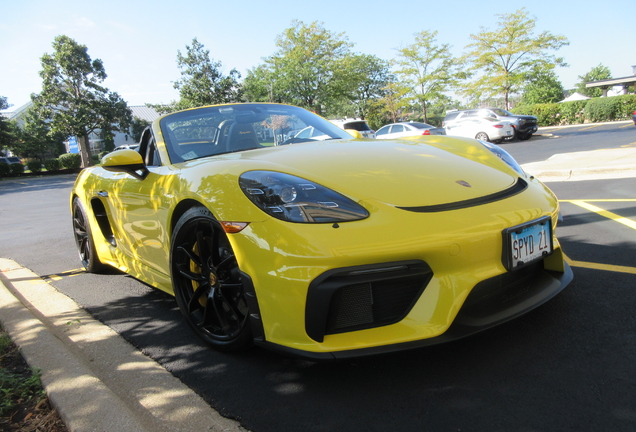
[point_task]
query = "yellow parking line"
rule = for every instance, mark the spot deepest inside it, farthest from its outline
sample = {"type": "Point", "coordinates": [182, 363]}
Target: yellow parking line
{"type": "Point", "coordinates": [597, 266]}
{"type": "Point", "coordinates": [629, 145]}
{"type": "Point", "coordinates": [627, 125]}
{"type": "Point", "coordinates": [69, 273]}
{"type": "Point", "coordinates": [613, 216]}
{"type": "Point", "coordinates": [590, 127]}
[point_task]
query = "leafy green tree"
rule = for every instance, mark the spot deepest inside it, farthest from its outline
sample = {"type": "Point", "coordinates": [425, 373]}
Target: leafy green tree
{"type": "Point", "coordinates": [202, 81]}
{"type": "Point", "coordinates": [308, 66]}
{"type": "Point", "coordinates": [597, 73]}
{"type": "Point", "coordinates": [137, 127]}
{"type": "Point", "coordinates": [73, 98]}
{"type": "Point", "coordinates": [428, 69]}
{"type": "Point", "coordinates": [543, 86]}
{"type": "Point", "coordinates": [6, 132]}
{"type": "Point", "coordinates": [365, 77]}
{"type": "Point", "coordinates": [35, 139]}
{"type": "Point", "coordinates": [260, 85]}
{"type": "Point", "coordinates": [501, 59]}
{"type": "Point", "coordinates": [394, 101]}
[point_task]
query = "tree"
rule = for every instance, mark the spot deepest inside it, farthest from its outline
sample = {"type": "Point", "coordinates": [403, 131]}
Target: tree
{"type": "Point", "coordinates": [428, 69]}
{"type": "Point", "coordinates": [365, 77]}
{"type": "Point", "coordinates": [73, 98]}
{"type": "Point", "coordinates": [202, 81]}
{"type": "Point", "coordinates": [394, 101]}
{"type": "Point", "coordinates": [137, 127]}
{"type": "Point", "coordinates": [543, 86]}
{"type": "Point", "coordinates": [597, 73]}
{"type": "Point", "coordinates": [308, 67]}
{"type": "Point", "coordinates": [6, 135]}
{"type": "Point", "coordinates": [501, 59]}
{"type": "Point", "coordinates": [35, 138]}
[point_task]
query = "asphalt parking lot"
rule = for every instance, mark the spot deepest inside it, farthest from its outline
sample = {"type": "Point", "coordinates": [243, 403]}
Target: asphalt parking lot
{"type": "Point", "coordinates": [566, 366]}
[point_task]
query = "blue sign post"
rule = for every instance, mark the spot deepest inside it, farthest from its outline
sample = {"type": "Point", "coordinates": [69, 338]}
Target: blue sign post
{"type": "Point", "coordinates": [72, 145]}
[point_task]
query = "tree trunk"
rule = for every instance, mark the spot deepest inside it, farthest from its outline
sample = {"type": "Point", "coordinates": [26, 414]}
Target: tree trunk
{"type": "Point", "coordinates": [84, 148]}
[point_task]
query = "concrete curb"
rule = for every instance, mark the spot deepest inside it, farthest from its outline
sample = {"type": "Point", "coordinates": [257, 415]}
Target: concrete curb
{"type": "Point", "coordinates": [95, 379]}
{"type": "Point", "coordinates": [587, 165]}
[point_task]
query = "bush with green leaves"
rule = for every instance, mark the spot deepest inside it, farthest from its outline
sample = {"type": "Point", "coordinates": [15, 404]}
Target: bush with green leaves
{"type": "Point", "coordinates": [4, 169]}
{"type": "Point", "coordinates": [102, 154]}
{"type": "Point", "coordinates": [16, 168]}
{"type": "Point", "coordinates": [573, 112]}
{"type": "Point", "coordinates": [52, 164]}
{"type": "Point", "coordinates": [35, 166]}
{"type": "Point", "coordinates": [70, 160]}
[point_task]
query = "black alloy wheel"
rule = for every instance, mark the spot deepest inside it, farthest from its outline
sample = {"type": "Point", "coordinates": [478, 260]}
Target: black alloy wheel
{"type": "Point", "coordinates": [84, 239]}
{"type": "Point", "coordinates": [207, 282]}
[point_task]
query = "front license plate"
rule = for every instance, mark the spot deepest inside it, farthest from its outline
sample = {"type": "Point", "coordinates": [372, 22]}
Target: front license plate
{"type": "Point", "coordinates": [508, 133]}
{"type": "Point", "coordinates": [527, 243]}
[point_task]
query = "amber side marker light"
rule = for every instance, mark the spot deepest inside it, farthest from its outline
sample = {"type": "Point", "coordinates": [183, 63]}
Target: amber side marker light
{"type": "Point", "coordinates": [234, 227]}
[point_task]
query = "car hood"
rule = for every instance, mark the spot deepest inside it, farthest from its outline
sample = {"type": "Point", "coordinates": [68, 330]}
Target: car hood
{"type": "Point", "coordinates": [431, 171]}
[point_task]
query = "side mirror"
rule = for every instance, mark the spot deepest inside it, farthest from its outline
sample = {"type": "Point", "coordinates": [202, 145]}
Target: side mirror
{"type": "Point", "coordinates": [127, 161]}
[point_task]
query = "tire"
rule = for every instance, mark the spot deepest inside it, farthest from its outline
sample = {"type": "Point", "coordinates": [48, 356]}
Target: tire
{"type": "Point", "coordinates": [483, 136]}
{"type": "Point", "coordinates": [84, 239]}
{"type": "Point", "coordinates": [207, 282]}
{"type": "Point", "coordinates": [525, 137]}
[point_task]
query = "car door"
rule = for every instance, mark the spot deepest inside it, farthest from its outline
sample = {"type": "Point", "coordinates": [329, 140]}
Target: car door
{"type": "Point", "coordinates": [140, 207]}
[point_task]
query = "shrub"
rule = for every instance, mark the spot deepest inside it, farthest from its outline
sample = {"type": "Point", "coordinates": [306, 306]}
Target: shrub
{"type": "Point", "coordinates": [95, 159]}
{"type": "Point", "coordinates": [546, 114]}
{"type": "Point", "coordinates": [16, 169]}
{"type": "Point", "coordinates": [70, 160]}
{"type": "Point", "coordinates": [35, 166]}
{"type": "Point", "coordinates": [4, 169]}
{"type": "Point", "coordinates": [573, 112]}
{"type": "Point", "coordinates": [102, 154]}
{"type": "Point", "coordinates": [52, 164]}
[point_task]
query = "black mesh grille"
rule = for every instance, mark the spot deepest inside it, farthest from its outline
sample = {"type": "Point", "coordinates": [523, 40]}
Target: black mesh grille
{"type": "Point", "coordinates": [373, 304]}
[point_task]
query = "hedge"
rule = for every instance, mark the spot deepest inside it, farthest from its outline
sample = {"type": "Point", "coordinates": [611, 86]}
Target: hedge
{"type": "Point", "coordinates": [52, 164]}
{"type": "Point", "coordinates": [70, 160]}
{"type": "Point", "coordinates": [16, 169]}
{"type": "Point", "coordinates": [587, 111]}
{"type": "Point", "coordinates": [4, 169]}
{"type": "Point", "coordinates": [35, 166]}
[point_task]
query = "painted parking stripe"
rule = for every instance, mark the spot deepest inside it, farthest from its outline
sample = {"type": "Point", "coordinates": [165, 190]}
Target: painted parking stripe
{"type": "Point", "coordinates": [613, 216]}
{"type": "Point", "coordinates": [598, 266]}
{"type": "Point", "coordinates": [68, 273]}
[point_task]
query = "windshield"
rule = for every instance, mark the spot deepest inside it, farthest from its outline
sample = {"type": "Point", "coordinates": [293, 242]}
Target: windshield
{"type": "Point", "coordinates": [223, 129]}
{"type": "Point", "coordinates": [501, 112]}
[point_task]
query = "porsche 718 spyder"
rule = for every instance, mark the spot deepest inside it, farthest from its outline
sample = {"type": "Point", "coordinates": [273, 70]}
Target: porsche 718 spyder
{"type": "Point", "coordinates": [326, 246]}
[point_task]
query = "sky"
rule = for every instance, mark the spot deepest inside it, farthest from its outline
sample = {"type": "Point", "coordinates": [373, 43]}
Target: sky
{"type": "Point", "coordinates": [138, 40]}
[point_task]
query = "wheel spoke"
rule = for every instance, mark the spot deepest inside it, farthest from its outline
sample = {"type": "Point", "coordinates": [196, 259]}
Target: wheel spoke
{"type": "Point", "coordinates": [191, 255]}
{"type": "Point", "coordinates": [196, 277]}
{"type": "Point", "coordinates": [194, 303]}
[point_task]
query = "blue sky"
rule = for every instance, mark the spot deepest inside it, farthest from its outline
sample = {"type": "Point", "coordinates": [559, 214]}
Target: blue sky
{"type": "Point", "coordinates": [138, 39]}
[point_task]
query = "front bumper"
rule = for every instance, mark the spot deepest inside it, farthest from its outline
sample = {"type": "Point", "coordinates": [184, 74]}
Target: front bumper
{"type": "Point", "coordinates": [490, 303]}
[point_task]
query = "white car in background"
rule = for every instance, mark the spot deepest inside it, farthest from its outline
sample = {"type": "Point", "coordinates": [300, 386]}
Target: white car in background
{"type": "Point", "coordinates": [407, 129]}
{"type": "Point", "coordinates": [484, 129]}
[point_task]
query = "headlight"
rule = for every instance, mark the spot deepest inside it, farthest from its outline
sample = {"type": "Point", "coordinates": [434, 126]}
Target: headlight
{"type": "Point", "coordinates": [522, 122]}
{"type": "Point", "coordinates": [293, 199]}
{"type": "Point", "coordinates": [504, 156]}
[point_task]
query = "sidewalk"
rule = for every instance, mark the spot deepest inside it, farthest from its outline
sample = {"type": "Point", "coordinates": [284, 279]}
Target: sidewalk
{"type": "Point", "coordinates": [96, 380]}
{"type": "Point", "coordinates": [586, 165]}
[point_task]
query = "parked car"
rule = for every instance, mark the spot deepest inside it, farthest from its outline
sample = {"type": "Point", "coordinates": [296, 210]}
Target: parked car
{"type": "Point", "coordinates": [127, 146]}
{"type": "Point", "coordinates": [485, 129]}
{"type": "Point", "coordinates": [11, 160]}
{"type": "Point", "coordinates": [524, 125]}
{"type": "Point", "coordinates": [407, 129]}
{"type": "Point", "coordinates": [355, 126]}
{"type": "Point", "coordinates": [320, 249]}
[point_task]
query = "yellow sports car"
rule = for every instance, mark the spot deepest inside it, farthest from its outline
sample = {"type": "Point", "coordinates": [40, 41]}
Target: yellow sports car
{"type": "Point", "coordinates": [325, 246]}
